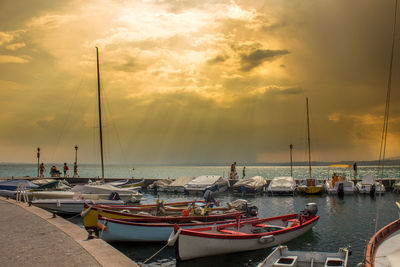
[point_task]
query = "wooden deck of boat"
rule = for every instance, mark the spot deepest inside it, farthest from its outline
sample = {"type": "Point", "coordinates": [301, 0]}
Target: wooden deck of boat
{"type": "Point", "coordinates": [32, 237]}
{"type": "Point", "coordinates": [388, 253]}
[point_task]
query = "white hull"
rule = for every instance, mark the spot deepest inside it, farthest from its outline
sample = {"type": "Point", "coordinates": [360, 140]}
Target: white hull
{"type": "Point", "coordinates": [70, 206]}
{"type": "Point", "coordinates": [282, 186]}
{"type": "Point", "coordinates": [348, 187]}
{"type": "Point", "coordinates": [140, 232]}
{"type": "Point", "coordinates": [305, 258]}
{"type": "Point", "coordinates": [366, 188]}
{"type": "Point", "coordinates": [132, 197]}
{"type": "Point", "coordinates": [190, 247]}
{"type": "Point", "coordinates": [196, 191]}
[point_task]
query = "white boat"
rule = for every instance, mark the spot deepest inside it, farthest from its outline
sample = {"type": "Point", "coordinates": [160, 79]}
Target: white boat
{"type": "Point", "coordinates": [140, 230]}
{"type": "Point", "coordinates": [70, 206]}
{"type": "Point", "coordinates": [282, 186]}
{"type": "Point", "coordinates": [130, 197]}
{"type": "Point", "coordinates": [283, 257]}
{"type": "Point", "coordinates": [177, 186]}
{"type": "Point", "coordinates": [383, 249]}
{"type": "Point", "coordinates": [94, 188]}
{"type": "Point", "coordinates": [369, 185]}
{"type": "Point", "coordinates": [159, 185]}
{"type": "Point", "coordinates": [213, 182]}
{"type": "Point", "coordinates": [250, 185]}
{"type": "Point", "coordinates": [242, 235]}
{"type": "Point", "coordinates": [339, 180]}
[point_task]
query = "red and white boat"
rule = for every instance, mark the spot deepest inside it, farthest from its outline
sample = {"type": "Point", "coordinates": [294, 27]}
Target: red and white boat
{"type": "Point", "coordinates": [242, 235]}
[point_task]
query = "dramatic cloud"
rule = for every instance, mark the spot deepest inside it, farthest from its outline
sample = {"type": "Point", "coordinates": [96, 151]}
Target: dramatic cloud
{"type": "Point", "coordinates": [196, 81]}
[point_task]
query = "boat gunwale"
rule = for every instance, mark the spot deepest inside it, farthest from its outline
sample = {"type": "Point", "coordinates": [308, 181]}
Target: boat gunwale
{"type": "Point", "coordinates": [164, 224]}
{"type": "Point", "coordinates": [197, 231]}
{"type": "Point", "coordinates": [139, 216]}
{"type": "Point", "coordinates": [377, 239]}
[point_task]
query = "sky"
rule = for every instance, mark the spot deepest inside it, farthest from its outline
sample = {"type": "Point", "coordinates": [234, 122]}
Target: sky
{"type": "Point", "coordinates": [197, 81]}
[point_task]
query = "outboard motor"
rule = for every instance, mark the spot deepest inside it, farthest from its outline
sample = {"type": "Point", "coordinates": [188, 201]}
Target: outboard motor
{"type": "Point", "coordinates": [311, 209]}
{"type": "Point", "coordinates": [114, 196]}
{"type": "Point", "coordinates": [341, 189]}
{"type": "Point", "coordinates": [252, 210]}
{"type": "Point", "coordinates": [372, 191]}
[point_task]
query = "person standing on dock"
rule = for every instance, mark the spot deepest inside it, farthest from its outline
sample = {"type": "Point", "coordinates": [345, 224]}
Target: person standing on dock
{"type": "Point", "coordinates": [41, 169]}
{"type": "Point", "coordinates": [65, 169]}
{"type": "Point", "coordinates": [244, 172]}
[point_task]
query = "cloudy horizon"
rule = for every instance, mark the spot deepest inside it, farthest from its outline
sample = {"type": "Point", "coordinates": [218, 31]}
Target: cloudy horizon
{"type": "Point", "coordinates": [191, 82]}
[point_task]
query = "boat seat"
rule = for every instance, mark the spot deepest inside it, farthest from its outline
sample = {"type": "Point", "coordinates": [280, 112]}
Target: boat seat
{"type": "Point", "coordinates": [231, 232]}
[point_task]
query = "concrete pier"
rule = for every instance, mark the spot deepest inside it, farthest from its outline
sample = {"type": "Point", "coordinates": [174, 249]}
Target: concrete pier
{"type": "Point", "coordinates": [32, 237]}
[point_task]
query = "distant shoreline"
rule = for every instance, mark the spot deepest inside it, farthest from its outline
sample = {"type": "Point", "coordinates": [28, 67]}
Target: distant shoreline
{"type": "Point", "coordinates": [388, 163]}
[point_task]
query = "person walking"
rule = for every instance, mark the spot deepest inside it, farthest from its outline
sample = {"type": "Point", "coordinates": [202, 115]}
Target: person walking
{"type": "Point", "coordinates": [65, 169]}
{"type": "Point", "coordinates": [355, 169]}
{"type": "Point", "coordinates": [244, 172]}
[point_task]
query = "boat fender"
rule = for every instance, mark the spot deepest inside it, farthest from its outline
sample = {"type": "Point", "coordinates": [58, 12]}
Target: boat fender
{"type": "Point", "coordinates": [58, 203]}
{"type": "Point", "coordinates": [266, 239]}
{"type": "Point", "coordinates": [173, 237]}
{"type": "Point", "coordinates": [101, 226]}
{"type": "Point", "coordinates": [85, 212]}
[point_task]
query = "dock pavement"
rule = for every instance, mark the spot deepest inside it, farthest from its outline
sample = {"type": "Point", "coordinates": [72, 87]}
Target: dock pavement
{"type": "Point", "coordinates": [31, 236]}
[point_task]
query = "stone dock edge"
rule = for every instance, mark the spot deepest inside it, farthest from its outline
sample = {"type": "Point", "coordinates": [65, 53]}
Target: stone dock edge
{"type": "Point", "coordinates": [101, 251]}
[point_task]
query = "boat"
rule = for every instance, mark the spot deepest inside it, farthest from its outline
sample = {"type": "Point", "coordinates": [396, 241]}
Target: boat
{"type": "Point", "coordinates": [159, 185]}
{"type": "Point", "coordinates": [201, 183]}
{"type": "Point", "coordinates": [282, 186]}
{"type": "Point", "coordinates": [369, 185]}
{"type": "Point", "coordinates": [383, 249]}
{"type": "Point", "coordinates": [139, 230]}
{"type": "Point", "coordinates": [339, 180]}
{"type": "Point", "coordinates": [283, 257]}
{"type": "Point", "coordinates": [12, 185]}
{"type": "Point", "coordinates": [241, 235]}
{"type": "Point", "coordinates": [70, 206]}
{"type": "Point", "coordinates": [91, 213]}
{"type": "Point", "coordinates": [310, 185]}
{"type": "Point", "coordinates": [95, 188]}
{"type": "Point", "coordinates": [251, 185]}
{"type": "Point", "coordinates": [177, 186]}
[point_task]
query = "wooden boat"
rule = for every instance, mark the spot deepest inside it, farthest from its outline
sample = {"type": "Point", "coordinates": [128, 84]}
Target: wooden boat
{"type": "Point", "coordinates": [283, 257]}
{"type": "Point", "coordinates": [242, 236]}
{"type": "Point", "coordinates": [310, 186]}
{"type": "Point", "coordinates": [383, 249]}
{"type": "Point", "coordinates": [92, 212]}
{"type": "Point", "coordinates": [339, 180]}
{"type": "Point", "coordinates": [251, 185]}
{"type": "Point", "coordinates": [139, 230]}
{"type": "Point", "coordinates": [70, 206]}
{"type": "Point", "coordinates": [200, 184]}
{"type": "Point", "coordinates": [282, 186]}
{"type": "Point", "coordinates": [369, 185]}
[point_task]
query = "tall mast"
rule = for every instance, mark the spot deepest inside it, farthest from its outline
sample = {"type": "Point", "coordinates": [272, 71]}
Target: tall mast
{"type": "Point", "coordinates": [100, 125]}
{"type": "Point", "coordinates": [308, 140]}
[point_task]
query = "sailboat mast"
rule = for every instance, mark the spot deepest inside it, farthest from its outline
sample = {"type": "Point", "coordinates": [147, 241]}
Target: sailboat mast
{"type": "Point", "coordinates": [308, 140]}
{"type": "Point", "coordinates": [100, 125]}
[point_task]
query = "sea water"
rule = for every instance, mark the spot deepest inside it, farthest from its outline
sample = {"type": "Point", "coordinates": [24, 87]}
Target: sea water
{"type": "Point", "coordinates": [347, 221]}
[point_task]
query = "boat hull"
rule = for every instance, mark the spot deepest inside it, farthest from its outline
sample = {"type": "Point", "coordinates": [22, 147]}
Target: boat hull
{"type": "Point", "coordinates": [69, 206]}
{"type": "Point", "coordinates": [311, 190]}
{"type": "Point", "coordinates": [348, 187]}
{"type": "Point", "coordinates": [197, 246]}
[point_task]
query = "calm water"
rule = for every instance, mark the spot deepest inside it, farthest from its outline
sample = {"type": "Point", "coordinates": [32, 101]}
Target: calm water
{"type": "Point", "coordinates": [347, 221]}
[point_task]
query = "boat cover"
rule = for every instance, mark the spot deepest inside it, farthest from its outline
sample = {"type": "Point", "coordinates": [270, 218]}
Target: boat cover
{"type": "Point", "coordinates": [13, 184]}
{"type": "Point", "coordinates": [368, 179]}
{"type": "Point", "coordinates": [252, 182]}
{"type": "Point", "coordinates": [282, 182]}
{"type": "Point", "coordinates": [205, 180]}
{"type": "Point", "coordinates": [181, 181]}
